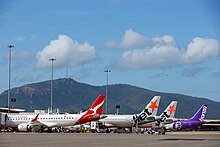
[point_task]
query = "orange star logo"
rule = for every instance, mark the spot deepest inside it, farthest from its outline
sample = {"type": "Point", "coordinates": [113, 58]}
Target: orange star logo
{"type": "Point", "coordinates": [153, 105]}
{"type": "Point", "coordinates": [171, 109]}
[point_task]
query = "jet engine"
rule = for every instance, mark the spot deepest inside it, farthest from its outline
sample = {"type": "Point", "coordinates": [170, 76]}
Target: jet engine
{"type": "Point", "coordinates": [24, 127]}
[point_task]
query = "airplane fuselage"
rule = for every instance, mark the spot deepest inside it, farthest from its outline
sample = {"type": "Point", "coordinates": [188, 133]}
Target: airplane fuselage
{"type": "Point", "coordinates": [121, 121]}
{"type": "Point", "coordinates": [49, 120]}
{"type": "Point", "coordinates": [184, 124]}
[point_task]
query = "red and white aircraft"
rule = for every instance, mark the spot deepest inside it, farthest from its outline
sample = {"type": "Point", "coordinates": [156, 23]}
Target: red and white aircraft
{"type": "Point", "coordinates": [33, 122]}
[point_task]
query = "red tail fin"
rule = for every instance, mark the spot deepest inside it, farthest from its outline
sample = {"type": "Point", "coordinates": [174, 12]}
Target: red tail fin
{"type": "Point", "coordinates": [94, 112]}
{"type": "Point", "coordinates": [96, 107]}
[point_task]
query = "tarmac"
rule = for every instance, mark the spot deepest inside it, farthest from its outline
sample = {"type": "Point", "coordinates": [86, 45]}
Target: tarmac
{"type": "Point", "coordinates": [186, 139]}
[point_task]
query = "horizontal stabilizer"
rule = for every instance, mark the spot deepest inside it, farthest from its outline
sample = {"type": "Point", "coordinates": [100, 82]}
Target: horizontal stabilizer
{"type": "Point", "coordinates": [103, 116]}
{"type": "Point", "coordinates": [149, 120]}
{"type": "Point", "coordinates": [95, 116]}
{"type": "Point", "coordinates": [169, 121]}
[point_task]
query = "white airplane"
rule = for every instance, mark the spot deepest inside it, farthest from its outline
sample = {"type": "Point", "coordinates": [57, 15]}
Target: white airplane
{"type": "Point", "coordinates": [128, 121]}
{"type": "Point", "coordinates": [28, 122]}
{"type": "Point", "coordinates": [167, 117]}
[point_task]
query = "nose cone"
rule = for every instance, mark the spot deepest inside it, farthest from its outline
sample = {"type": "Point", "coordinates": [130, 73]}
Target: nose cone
{"type": "Point", "coordinates": [169, 126]}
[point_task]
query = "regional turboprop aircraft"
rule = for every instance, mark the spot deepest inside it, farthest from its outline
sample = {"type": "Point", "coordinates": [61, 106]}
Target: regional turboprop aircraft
{"type": "Point", "coordinates": [196, 120]}
{"type": "Point", "coordinates": [28, 122]}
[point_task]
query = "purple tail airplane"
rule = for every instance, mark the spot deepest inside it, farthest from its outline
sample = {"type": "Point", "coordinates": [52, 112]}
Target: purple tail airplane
{"type": "Point", "coordinates": [196, 120]}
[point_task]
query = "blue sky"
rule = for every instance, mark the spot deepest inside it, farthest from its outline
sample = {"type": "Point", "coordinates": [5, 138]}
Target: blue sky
{"type": "Point", "coordinates": [166, 46]}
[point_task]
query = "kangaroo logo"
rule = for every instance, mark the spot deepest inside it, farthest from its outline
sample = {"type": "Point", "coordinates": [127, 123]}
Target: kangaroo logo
{"type": "Point", "coordinates": [178, 125]}
{"type": "Point", "coordinates": [95, 108]}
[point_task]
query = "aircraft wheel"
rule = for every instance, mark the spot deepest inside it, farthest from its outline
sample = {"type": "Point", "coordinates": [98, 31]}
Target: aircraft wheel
{"type": "Point", "coordinates": [49, 131]}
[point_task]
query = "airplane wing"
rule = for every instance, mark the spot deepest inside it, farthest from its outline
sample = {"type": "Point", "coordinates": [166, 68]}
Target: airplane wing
{"type": "Point", "coordinates": [103, 116]}
{"type": "Point", "coordinates": [201, 122]}
{"type": "Point", "coordinates": [35, 121]}
{"type": "Point", "coordinates": [168, 121]}
{"type": "Point", "coordinates": [36, 125]}
{"type": "Point", "coordinates": [212, 122]}
{"type": "Point", "coordinates": [149, 120]}
{"type": "Point", "coordinates": [109, 125]}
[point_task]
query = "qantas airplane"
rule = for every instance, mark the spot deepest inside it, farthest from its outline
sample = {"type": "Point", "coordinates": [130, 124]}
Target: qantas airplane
{"type": "Point", "coordinates": [39, 122]}
{"type": "Point", "coordinates": [128, 121]}
{"type": "Point", "coordinates": [196, 120]}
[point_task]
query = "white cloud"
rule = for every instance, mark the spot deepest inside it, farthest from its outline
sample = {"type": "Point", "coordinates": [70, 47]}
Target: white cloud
{"type": "Point", "coordinates": [155, 57]}
{"type": "Point", "coordinates": [67, 52]}
{"type": "Point", "coordinates": [201, 49]}
{"type": "Point", "coordinates": [162, 51]}
{"type": "Point", "coordinates": [163, 40]}
{"type": "Point", "coordinates": [132, 39]}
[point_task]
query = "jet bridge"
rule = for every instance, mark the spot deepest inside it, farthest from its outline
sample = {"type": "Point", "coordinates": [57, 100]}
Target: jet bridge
{"type": "Point", "coordinates": [3, 117]}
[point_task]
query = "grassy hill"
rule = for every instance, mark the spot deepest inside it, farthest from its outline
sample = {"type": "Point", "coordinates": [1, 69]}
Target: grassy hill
{"type": "Point", "coordinates": [69, 94]}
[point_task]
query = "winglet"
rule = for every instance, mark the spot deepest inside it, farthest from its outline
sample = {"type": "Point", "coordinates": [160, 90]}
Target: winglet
{"type": "Point", "coordinates": [36, 117]}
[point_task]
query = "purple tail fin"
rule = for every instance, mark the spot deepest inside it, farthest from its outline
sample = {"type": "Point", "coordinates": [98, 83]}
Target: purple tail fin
{"type": "Point", "coordinates": [200, 114]}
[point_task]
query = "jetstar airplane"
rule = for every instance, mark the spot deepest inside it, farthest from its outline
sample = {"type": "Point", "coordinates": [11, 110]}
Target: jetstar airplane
{"type": "Point", "coordinates": [128, 121]}
{"type": "Point", "coordinates": [37, 122]}
{"type": "Point", "coordinates": [196, 120]}
{"type": "Point", "coordinates": [167, 117]}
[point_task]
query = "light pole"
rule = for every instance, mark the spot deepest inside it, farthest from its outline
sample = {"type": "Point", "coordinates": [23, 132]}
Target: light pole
{"type": "Point", "coordinates": [117, 108]}
{"type": "Point", "coordinates": [51, 86]}
{"type": "Point", "coordinates": [106, 90]}
{"type": "Point", "coordinates": [9, 75]}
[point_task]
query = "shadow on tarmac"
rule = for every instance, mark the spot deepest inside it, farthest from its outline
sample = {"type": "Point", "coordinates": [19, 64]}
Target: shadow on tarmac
{"type": "Point", "coordinates": [188, 139]}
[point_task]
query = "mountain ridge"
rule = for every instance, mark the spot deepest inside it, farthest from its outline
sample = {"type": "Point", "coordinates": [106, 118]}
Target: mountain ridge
{"type": "Point", "coordinates": [69, 94]}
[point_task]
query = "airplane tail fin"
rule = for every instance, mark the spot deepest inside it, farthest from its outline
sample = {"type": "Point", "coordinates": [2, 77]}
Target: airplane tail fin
{"type": "Point", "coordinates": [96, 107]}
{"type": "Point", "coordinates": [94, 112]}
{"type": "Point", "coordinates": [152, 106]}
{"type": "Point", "coordinates": [149, 110]}
{"type": "Point", "coordinates": [200, 114]}
{"type": "Point", "coordinates": [169, 112]}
